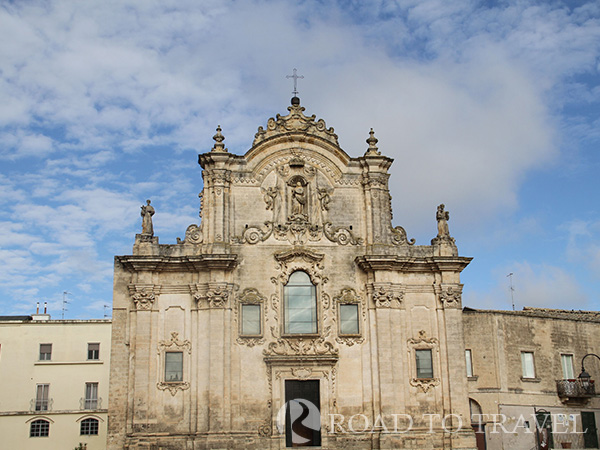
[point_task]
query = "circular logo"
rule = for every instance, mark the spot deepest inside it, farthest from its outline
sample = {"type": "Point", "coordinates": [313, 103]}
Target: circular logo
{"type": "Point", "coordinates": [304, 418]}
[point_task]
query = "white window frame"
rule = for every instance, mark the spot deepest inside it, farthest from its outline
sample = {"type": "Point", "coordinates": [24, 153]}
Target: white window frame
{"type": "Point", "coordinates": [566, 363]}
{"type": "Point", "coordinates": [91, 395]}
{"type": "Point", "coordinates": [42, 397]}
{"type": "Point", "coordinates": [528, 364]}
{"type": "Point", "coordinates": [469, 362]}
{"type": "Point", "coordinates": [426, 351]}
{"type": "Point", "coordinates": [47, 355]}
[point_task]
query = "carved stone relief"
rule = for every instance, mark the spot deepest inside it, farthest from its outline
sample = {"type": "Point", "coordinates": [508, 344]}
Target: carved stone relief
{"type": "Point", "coordinates": [143, 295]}
{"type": "Point", "coordinates": [213, 295]}
{"type": "Point", "coordinates": [173, 344]}
{"type": "Point", "coordinates": [386, 295]}
{"type": "Point", "coordinates": [250, 296]}
{"type": "Point", "coordinates": [450, 296]}
{"type": "Point", "coordinates": [291, 346]}
{"type": "Point", "coordinates": [299, 198]}
{"type": "Point", "coordinates": [422, 342]}
{"type": "Point", "coordinates": [349, 296]}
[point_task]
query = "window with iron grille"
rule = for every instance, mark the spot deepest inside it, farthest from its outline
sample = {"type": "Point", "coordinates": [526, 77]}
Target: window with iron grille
{"type": "Point", "coordinates": [41, 397]}
{"type": "Point", "coordinates": [91, 396]}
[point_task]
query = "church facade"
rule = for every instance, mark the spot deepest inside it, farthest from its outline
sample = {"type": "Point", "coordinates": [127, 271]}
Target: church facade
{"type": "Point", "coordinates": [293, 314]}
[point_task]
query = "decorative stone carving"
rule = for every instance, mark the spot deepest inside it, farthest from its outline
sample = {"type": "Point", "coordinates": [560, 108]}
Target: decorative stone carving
{"type": "Point", "coordinates": [143, 295]}
{"type": "Point", "coordinates": [450, 296]}
{"type": "Point", "coordinates": [299, 259]}
{"type": "Point", "coordinates": [264, 429]}
{"type": "Point", "coordinates": [216, 295]}
{"type": "Point", "coordinates": [295, 121]}
{"type": "Point", "coordinates": [385, 295]}
{"type": "Point", "coordinates": [372, 141]}
{"type": "Point", "coordinates": [173, 344]}
{"type": "Point", "coordinates": [419, 343]}
{"type": "Point", "coordinates": [301, 372]}
{"type": "Point", "coordinates": [399, 236]}
{"type": "Point", "coordinates": [349, 296]}
{"type": "Point", "coordinates": [253, 235]}
{"type": "Point", "coordinates": [424, 383]}
{"type": "Point", "coordinates": [250, 296]}
{"type": "Point", "coordinates": [219, 147]}
{"type": "Point", "coordinates": [292, 346]}
{"type": "Point", "coordinates": [193, 235]}
{"type": "Point", "coordinates": [340, 235]}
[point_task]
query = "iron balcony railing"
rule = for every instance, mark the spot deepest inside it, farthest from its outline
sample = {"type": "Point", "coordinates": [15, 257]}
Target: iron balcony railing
{"type": "Point", "coordinates": [90, 403]}
{"type": "Point", "coordinates": [575, 389]}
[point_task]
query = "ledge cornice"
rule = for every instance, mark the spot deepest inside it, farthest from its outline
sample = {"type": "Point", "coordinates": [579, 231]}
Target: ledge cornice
{"type": "Point", "coordinates": [178, 263]}
{"type": "Point", "coordinates": [370, 263]}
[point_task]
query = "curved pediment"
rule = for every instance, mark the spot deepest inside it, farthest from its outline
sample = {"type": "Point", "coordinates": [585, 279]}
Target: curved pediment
{"type": "Point", "coordinates": [296, 139]}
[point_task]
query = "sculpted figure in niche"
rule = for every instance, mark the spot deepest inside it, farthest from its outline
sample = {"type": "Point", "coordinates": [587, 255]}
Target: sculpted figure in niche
{"type": "Point", "coordinates": [147, 213]}
{"type": "Point", "coordinates": [298, 199]}
{"type": "Point", "coordinates": [442, 220]}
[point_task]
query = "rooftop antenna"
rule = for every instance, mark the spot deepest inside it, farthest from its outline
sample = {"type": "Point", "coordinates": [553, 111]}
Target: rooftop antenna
{"type": "Point", "coordinates": [106, 315]}
{"type": "Point", "coordinates": [295, 77]}
{"type": "Point", "coordinates": [512, 290]}
{"type": "Point", "coordinates": [64, 303]}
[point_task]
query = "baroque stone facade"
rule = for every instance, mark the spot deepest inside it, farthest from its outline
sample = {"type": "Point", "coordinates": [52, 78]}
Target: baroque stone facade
{"type": "Point", "coordinates": [208, 335]}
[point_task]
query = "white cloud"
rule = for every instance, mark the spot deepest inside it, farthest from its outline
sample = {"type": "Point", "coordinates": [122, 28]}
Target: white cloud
{"type": "Point", "coordinates": [538, 285]}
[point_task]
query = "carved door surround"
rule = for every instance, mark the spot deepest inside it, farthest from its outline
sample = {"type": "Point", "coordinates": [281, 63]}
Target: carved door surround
{"type": "Point", "coordinates": [282, 368]}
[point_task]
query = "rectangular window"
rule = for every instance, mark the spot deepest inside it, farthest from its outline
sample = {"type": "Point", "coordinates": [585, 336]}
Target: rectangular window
{"type": "Point", "coordinates": [45, 352]}
{"type": "Point", "coordinates": [527, 365]}
{"type": "Point", "coordinates": [424, 363]}
{"type": "Point", "coordinates": [469, 361]}
{"type": "Point", "coordinates": [91, 396]}
{"type": "Point", "coordinates": [251, 320]}
{"type": "Point", "coordinates": [349, 319]}
{"type": "Point", "coordinates": [93, 351]}
{"type": "Point", "coordinates": [41, 397]}
{"type": "Point", "coordinates": [567, 366]}
{"type": "Point", "coordinates": [173, 367]}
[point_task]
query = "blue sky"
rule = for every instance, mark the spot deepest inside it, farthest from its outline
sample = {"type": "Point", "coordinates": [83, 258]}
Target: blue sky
{"type": "Point", "coordinates": [492, 108]}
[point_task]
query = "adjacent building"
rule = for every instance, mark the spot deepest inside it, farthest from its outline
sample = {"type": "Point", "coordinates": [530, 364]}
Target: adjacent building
{"type": "Point", "coordinates": [523, 367]}
{"type": "Point", "coordinates": [53, 382]}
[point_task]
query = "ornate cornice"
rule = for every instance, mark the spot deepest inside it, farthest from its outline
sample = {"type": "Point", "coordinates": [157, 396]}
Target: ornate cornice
{"type": "Point", "coordinates": [369, 263]}
{"type": "Point", "coordinates": [178, 263]}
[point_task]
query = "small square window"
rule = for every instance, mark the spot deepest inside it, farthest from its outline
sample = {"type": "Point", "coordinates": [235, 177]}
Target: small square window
{"type": "Point", "coordinates": [349, 319]}
{"type": "Point", "coordinates": [527, 364]}
{"type": "Point", "coordinates": [93, 351]}
{"type": "Point", "coordinates": [45, 352]}
{"type": "Point", "coordinates": [251, 320]}
{"type": "Point", "coordinates": [173, 367]}
{"type": "Point", "coordinates": [424, 363]}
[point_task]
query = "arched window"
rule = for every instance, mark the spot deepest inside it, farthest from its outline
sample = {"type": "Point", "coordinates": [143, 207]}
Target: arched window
{"type": "Point", "coordinates": [300, 304]}
{"type": "Point", "coordinates": [39, 428]}
{"type": "Point", "coordinates": [89, 427]}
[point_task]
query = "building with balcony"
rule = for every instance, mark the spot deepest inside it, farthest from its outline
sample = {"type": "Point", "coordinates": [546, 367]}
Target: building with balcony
{"type": "Point", "coordinates": [523, 367]}
{"type": "Point", "coordinates": [53, 382]}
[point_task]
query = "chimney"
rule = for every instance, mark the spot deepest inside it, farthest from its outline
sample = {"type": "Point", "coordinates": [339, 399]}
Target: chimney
{"type": "Point", "coordinates": [37, 308]}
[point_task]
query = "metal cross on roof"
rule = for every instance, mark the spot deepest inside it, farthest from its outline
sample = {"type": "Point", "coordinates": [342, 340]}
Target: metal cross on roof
{"type": "Point", "coordinates": [295, 77]}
